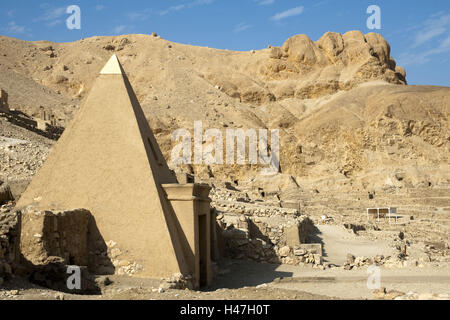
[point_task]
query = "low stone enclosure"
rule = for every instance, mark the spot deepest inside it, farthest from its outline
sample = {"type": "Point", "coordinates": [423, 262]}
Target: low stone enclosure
{"type": "Point", "coordinates": [41, 244]}
{"type": "Point", "coordinates": [281, 237]}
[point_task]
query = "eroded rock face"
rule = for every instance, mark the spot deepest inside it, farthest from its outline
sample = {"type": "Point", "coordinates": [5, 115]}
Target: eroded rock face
{"type": "Point", "coordinates": [301, 50]}
{"type": "Point", "coordinates": [334, 62]}
{"type": "Point", "coordinates": [332, 43]}
{"type": "Point", "coordinates": [350, 58]}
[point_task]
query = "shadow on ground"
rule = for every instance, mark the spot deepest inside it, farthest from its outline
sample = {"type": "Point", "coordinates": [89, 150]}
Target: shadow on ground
{"type": "Point", "coordinates": [235, 274]}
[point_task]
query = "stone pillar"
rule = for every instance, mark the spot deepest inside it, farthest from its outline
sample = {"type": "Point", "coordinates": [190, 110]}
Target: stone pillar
{"type": "Point", "coordinates": [42, 113]}
{"type": "Point", "coordinates": [4, 100]}
{"type": "Point", "coordinates": [191, 206]}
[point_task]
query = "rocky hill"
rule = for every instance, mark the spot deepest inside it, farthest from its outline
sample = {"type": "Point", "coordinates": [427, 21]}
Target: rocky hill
{"type": "Point", "coordinates": [347, 118]}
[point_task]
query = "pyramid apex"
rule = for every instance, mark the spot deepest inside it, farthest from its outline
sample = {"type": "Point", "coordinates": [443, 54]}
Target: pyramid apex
{"type": "Point", "coordinates": [113, 66]}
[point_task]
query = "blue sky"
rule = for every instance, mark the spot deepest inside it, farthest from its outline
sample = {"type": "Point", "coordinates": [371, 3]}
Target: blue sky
{"type": "Point", "coordinates": [418, 31]}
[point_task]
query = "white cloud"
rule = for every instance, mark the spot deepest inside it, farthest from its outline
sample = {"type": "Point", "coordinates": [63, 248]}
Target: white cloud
{"type": "Point", "coordinates": [265, 2]}
{"type": "Point", "coordinates": [425, 56]}
{"type": "Point", "coordinates": [54, 23]}
{"type": "Point", "coordinates": [437, 25]}
{"type": "Point", "coordinates": [432, 38]}
{"type": "Point", "coordinates": [52, 16]}
{"type": "Point", "coordinates": [14, 28]}
{"type": "Point", "coordinates": [119, 29]}
{"type": "Point", "coordinates": [140, 16]}
{"type": "Point", "coordinates": [243, 26]}
{"type": "Point", "coordinates": [321, 3]}
{"type": "Point", "coordinates": [172, 8]}
{"type": "Point", "coordinates": [446, 42]}
{"type": "Point", "coordinates": [100, 7]}
{"type": "Point", "coordinates": [288, 13]}
{"type": "Point", "coordinates": [189, 5]}
{"type": "Point", "coordinates": [199, 3]}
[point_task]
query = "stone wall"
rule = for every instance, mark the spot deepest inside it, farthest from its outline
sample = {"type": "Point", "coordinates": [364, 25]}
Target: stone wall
{"type": "Point", "coordinates": [41, 246]}
{"type": "Point", "coordinates": [48, 236]}
{"type": "Point", "coordinates": [272, 239]}
{"type": "Point", "coordinates": [9, 241]}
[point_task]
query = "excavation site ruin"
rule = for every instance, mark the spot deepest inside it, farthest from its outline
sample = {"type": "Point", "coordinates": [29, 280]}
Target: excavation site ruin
{"type": "Point", "coordinates": [318, 172]}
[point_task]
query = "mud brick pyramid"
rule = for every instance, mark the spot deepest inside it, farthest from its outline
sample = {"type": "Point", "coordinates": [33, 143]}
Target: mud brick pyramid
{"type": "Point", "coordinates": [108, 162]}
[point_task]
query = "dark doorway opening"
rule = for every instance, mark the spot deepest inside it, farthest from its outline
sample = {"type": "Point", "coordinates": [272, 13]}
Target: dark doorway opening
{"type": "Point", "coordinates": [203, 250]}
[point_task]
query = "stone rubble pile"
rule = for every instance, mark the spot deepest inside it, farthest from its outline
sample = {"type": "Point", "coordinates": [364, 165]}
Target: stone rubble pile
{"type": "Point", "coordinates": [177, 282]}
{"type": "Point", "coordinates": [120, 266]}
{"type": "Point", "coordinates": [383, 294]}
{"type": "Point", "coordinates": [21, 160]}
{"type": "Point", "coordinates": [436, 252]}
{"type": "Point", "coordinates": [252, 224]}
{"type": "Point", "coordinates": [248, 201]}
{"type": "Point", "coordinates": [305, 256]}
{"type": "Point", "coordinates": [268, 240]}
{"type": "Point", "coordinates": [358, 262]}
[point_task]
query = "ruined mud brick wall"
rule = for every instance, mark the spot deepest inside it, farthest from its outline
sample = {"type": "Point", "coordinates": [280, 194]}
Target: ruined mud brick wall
{"type": "Point", "coordinates": [277, 236]}
{"type": "Point", "coordinates": [40, 245]}
{"type": "Point", "coordinates": [9, 241]}
{"type": "Point", "coordinates": [60, 236]}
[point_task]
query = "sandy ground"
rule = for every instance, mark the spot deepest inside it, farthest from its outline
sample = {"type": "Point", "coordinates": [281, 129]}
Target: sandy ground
{"type": "Point", "coordinates": [244, 280]}
{"type": "Point", "coordinates": [338, 242]}
{"type": "Point", "coordinates": [353, 284]}
{"type": "Point", "coordinates": [124, 288]}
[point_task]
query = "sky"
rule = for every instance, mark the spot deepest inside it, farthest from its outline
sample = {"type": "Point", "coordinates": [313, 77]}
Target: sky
{"type": "Point", "coordinates": [417, 30]}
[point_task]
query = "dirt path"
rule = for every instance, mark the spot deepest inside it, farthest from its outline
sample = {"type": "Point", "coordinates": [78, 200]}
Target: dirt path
{"type": "Point", "coordinates": [338, 242]}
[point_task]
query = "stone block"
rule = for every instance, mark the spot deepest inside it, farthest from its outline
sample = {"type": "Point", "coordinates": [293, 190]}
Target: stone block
{"type": "Point", "coordinates": [315, 248]}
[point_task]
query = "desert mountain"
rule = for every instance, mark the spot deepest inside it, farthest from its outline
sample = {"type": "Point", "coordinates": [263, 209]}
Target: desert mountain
{"type": "Point", "coordinates": [346, 115]}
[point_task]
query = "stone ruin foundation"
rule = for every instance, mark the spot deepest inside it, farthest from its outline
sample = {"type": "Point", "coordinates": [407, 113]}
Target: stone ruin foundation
{"type": "Point", "coordinates": [275, 239]}
{"type": "Point", "coordinates": [40, 245]}
{"type": "Point", "coordinates": [49, 236]}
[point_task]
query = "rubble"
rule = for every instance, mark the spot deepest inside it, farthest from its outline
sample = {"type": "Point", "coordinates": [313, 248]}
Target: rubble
{"type": "Point", "coordinates": [272, 239]}
{"type": "Point", "coordinates": [383, 294]}
{"type": "Point", "coordinates": [177, 281]}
